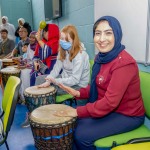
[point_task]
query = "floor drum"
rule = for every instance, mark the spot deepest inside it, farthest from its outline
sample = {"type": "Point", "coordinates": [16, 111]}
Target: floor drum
{"type": "Point", "coordinates": [51, 132]}
{"type": "Point", "coordinates": [35, 97]}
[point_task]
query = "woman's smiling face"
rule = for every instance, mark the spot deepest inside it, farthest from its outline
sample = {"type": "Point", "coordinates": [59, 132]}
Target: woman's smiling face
{"type": "Point", "coordinates": [104, 37]}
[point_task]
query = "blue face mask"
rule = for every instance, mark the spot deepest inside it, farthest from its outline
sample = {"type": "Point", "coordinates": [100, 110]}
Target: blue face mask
{"type": "Point", "coordinates": [65, 45]}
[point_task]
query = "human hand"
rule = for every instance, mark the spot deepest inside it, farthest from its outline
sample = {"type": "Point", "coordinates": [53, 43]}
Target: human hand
{"type": "Point", "coordinates": [68, 112]}
{"type": "Point", "coordinates": [38, 35]}
{"type": "Point", "coordinates": [52, 80]}
{"type": "Point", "coordinates": [9, 57]}
{"type": "Point", "coordinates": [69, 90]}
{"type": "Point", "coordinates": [36, 66]}
{"type": "Point", "coordinates": [44, 85]}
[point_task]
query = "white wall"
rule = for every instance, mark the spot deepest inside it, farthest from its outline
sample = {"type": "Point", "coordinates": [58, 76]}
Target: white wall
{"type": "Point", "coordinates": [132, 15]}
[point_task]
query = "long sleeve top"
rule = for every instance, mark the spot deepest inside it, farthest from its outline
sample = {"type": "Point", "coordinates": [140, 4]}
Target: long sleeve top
{"type": "Point", "coordinates": [118, 86]}
{"type": "Point", "coordinates": [11, 30]}
{"type": "Point", "coordinates": [73, 73]}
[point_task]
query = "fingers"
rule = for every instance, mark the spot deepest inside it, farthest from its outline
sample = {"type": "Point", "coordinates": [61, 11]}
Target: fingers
{"type": "Point", "coordinates": [39, 86]}
{"type": "Point", "coordinates": [48, 79]}
{"type": "Point", "coordinates": [44, 85]}
{"type": "Point", "coordinates": [66, 113]}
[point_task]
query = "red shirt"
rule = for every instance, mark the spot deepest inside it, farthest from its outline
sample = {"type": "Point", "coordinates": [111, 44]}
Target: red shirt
{"type": "Point", "coordinates": [118, 86]}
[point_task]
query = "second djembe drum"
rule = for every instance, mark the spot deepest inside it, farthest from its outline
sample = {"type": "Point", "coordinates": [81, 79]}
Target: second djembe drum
{"type": "Point", "coordinates": [35, 97]}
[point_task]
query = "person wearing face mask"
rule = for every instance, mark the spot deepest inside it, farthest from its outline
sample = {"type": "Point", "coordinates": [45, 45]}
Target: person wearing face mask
{"type": "Point", "coordinates": [72, 62]}
{"type": "Point", "coordinates": [45, 52]}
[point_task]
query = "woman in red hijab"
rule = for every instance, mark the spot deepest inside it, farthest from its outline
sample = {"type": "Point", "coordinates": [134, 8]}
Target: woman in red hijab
{"type": "Point", "coordinates": [45, 52]}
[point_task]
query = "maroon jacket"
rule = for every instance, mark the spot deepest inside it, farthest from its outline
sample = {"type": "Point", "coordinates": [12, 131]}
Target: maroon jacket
{"type": "Point", "coordinates": [118, 87]}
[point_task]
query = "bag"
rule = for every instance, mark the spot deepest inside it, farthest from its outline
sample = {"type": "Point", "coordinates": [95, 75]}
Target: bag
{"type": "Point", "coordinates": [43, 67]}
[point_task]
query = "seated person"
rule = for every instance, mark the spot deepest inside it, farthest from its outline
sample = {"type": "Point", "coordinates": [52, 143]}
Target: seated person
{"type": "Point", "coordinates": [115, 102]}
{"type": "Point", "coordinates": [7, 45]}
{"type": "Point", "coordinates": [72, 60]}
{"type": "Point", "coordinates": [25, 73]}
{"type": "Point", "coordinates": [17, 51]}
{"type": "Point", "coordinates": [24, 50]}
{"type": "Point", "coordinates": [9, 27]}
{"type": "Point", "coordinates": [21, 22]}
{"type": "Point", "coordinates": [46, 51]}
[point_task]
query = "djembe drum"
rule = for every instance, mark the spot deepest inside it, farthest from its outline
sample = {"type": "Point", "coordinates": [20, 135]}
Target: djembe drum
{"type": "Point", "coordinates": [7, 72]}
{"type": "Point", "coordinates": [35, 97]}
{"type": "Point", "coordinates": [8, 62]}
{"type": "Point", "coordinates": [51, 132]}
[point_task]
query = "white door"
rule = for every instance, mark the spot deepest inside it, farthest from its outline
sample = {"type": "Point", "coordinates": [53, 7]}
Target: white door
{"type": "Point", "coordinates": [133, 16]}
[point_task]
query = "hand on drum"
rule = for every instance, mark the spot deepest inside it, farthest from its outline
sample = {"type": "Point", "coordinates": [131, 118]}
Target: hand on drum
{"type": "Point", "coordinates": [44, 85]}
{"type": "Point", "coordinates": [71, 112]}
{"type": "Point", "coordinates": [69, 90]}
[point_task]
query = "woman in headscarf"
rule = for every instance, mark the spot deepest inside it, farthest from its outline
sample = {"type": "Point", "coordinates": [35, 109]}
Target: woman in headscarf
{"type": "Point", "coordinates": [113, 105]}
{"type": "Point", "coordinates": [9, 27]}
{"type": "Point", "coordinates": [46, 51]}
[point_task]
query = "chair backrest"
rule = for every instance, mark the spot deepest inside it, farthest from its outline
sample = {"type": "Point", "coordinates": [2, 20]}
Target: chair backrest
{"type": "Point", "coordinates": [9, 104]}
{"type": "Point", "coordinates": [7, 93]}
{"type": "Point", "coordinates": [145, 89]}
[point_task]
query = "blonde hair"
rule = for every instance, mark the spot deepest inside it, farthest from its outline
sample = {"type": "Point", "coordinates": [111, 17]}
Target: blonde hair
{"type": "Point", "coordinates": [76, 45]}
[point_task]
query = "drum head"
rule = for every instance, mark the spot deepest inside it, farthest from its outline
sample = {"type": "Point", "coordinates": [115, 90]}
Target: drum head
{"type": "Point", "coordinates": [45, 114]}
{"type": "Point", "coordinates": [10, 70]}
{"type": "Point", "coordinates": [34, 90]}
{"type": "Point", "coordinates": [13, 66]}
{"type": "Point", "coordinates": [7, 60]}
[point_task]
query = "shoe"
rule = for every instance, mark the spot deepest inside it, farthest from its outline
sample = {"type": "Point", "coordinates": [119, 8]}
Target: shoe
{"type": "Point", "coordinates": [23, 102]}
{"type": "Point", "coordinates": [26, 123]}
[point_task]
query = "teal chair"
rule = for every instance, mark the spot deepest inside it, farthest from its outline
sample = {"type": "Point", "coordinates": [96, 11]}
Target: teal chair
{"type": "Point", "coordinates": [68, 97]}
{"type": "Point", "coordinates": [9, 102]}
{"type": "Point", "coordinates": [142, 131]}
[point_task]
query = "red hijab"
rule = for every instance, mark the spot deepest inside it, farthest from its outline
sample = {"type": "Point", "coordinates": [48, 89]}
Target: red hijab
{"type": "Point", "coordinates": [53, 37]}
{"type": "Point", "coordinates": [52, 42]}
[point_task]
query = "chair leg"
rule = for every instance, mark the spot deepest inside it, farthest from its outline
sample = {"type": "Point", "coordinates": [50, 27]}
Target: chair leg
{"type": "Point", "coordinates": [75, 101]}
{"type": "Point", "coordinates": [6, 145]}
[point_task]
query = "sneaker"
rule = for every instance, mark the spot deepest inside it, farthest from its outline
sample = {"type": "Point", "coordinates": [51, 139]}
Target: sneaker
{"type": "Point", "coordinates": [26, 123]}
{"type": "Point", "coordinates": [23, 102]}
